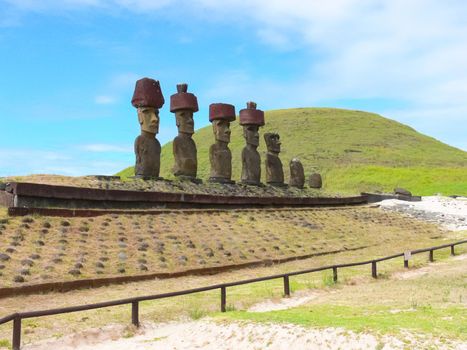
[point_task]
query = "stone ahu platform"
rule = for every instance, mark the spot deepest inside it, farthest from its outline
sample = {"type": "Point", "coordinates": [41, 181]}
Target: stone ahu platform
{"type": "Point", "coordinates": [23, 198]}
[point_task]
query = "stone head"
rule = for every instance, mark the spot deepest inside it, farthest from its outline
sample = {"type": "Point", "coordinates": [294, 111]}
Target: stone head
{"type": "Point", "coordinates": [148, 118]}
{"type": "Point", "coordinates": [251, 134]}
{"type": "Point", "coordinates": [221, 129]}
{"type": "Point", "coordinates": [273, 142]}
{"type": "Point", "coordinates": [185, 122]}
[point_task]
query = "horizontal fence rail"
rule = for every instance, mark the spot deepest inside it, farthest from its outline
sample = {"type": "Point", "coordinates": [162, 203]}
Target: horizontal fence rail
{"type": "Point", "coordinates": [17, 317]}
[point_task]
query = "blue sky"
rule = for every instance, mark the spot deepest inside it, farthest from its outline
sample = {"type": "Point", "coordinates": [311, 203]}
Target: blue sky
{"type": "Point", "coordinates": [68, 68]}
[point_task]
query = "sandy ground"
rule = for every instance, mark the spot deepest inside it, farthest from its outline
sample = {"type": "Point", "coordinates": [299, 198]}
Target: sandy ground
{"type": "Point", "coordinates": [449, 213]}
{"type": "Point", "coordinates": [207, 334]}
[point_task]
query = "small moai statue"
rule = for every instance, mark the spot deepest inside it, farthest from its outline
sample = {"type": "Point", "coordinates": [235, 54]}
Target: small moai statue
{"type": "Point", "coordinates": [221, 115]}
{"type": "Point", "coordinates": [297, 174]}
{"type": "Point", "coordinates": [315, 180]}
{"type": "Point", "coordinates": [184, 104]}
{"type": "Point", "coordinates": [251, 119]}
{"type": "Point", "coordinates": [147, 99]}
{"type": "Point", "coordinates": [274, 171]}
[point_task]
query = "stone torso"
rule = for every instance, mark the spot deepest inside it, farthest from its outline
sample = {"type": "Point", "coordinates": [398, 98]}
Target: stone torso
{"type": "Point", "coordinates": [274, 171]}
{"type": "Point", "coordinates": [221, 161]}
{"type": "Point", "coordinates": [148, 154]}
{"type": "Point", "coordinates": [251, 166]}
{"type": "Point", "coordinates": [184, 150]}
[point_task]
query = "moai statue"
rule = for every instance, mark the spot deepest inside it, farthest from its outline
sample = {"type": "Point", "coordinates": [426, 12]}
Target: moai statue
{"type": "Point", "coordinates": [315, 180]}
{"type": "Point", "coordinates": [184, 104]}
{"type": "Point", "coordinates": [148, 98]}
{"type": "Point", "coordinates": [251, 119]}
{"type": "Point", "coordinates": [220, 115]}
{"type": "Point", "coordinates": [297, 174]}
{"type": "Point", "coordinates": [274, 171]}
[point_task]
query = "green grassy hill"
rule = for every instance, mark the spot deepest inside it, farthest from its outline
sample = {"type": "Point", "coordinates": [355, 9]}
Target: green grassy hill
{"type": "Point", "coordinates": [354, 151]}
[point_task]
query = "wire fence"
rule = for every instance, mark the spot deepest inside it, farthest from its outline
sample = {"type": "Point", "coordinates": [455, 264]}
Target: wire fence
{"type": "Point", "coordinates": [18, 317]}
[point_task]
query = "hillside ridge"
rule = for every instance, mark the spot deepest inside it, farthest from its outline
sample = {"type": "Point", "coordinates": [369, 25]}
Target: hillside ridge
{"type": "Point", "coordinates": [354, 150]}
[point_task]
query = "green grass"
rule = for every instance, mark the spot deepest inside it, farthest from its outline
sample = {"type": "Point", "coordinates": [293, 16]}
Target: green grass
{"type": "Point", "coordinates": [355, 151]}
{"type": "Point", "coordinates": [424, 319]}
{"type": "Point", "coordinates": [430, 303]}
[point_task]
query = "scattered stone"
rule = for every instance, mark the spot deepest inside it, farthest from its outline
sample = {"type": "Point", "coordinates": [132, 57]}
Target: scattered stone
{"type": "Point", "coordinates": [74, 272]}
{"type": "Point", "coordinates": [25, 272]}
{"type": "Point", "coordinates": [57, 260]}
{"type": "Point", "coordinates": [402, 191]}
{"type": "Point", "coordinates": [78, 265]}
{"type": "Point", "coordinates": [143, 267]}
{"type": "Point", "coordinates": [65, 223]}
{"type": "Point", "coordinates": [2, 267]}
{"type": "Point", "coordinates": [46, 225]}
{"type": "Point", "coordinates": [27, 262]}
{"type": "Point", "coordinates": [4, 257]}
{"type": "Point", "coordinates": [39, 242]}
{"type": "Point", "coordinates": [121, 270]}
{"type": "Point", "coordinates": [122, 256]}
{"type": "Point", "coordinates": [18, 279]}
{"type": "Point", "coordinates": [10, 250]}
{"type": "Point", "coordinates": [99, 264]}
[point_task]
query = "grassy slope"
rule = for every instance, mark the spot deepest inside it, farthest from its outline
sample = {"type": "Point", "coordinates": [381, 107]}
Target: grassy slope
{"type": "Point", "coordinates": [355, 151]}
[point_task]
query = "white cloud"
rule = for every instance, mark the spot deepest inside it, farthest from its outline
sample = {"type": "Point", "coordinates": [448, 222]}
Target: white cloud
{"type": "Point", "coordinates": [102, 147]}
{"type": "Point", "coordinates": [105, 100]}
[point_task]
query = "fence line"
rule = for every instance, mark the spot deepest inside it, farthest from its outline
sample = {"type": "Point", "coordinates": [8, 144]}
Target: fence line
{"type": "Point", "coordinates": [18, 317]}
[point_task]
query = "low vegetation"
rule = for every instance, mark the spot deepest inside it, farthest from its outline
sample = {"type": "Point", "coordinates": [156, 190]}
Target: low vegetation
{"type": "Point", "coordinates": [37, 249]}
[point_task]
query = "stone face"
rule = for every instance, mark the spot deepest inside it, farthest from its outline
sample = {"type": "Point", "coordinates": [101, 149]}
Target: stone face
{"type": "Point", "coordinates": [220, 156]}
{"type": "Point", "coordinates": [297, 174]}
{"type": "Point", "coordinates": [274, 170]}
{"type": "Point", "coordinates": [147, 98]}
{"type": "Point", "coordinates": [315, 181]}
{"type": "Point", "coordinates": [251, 160]}
{"type": "Point", "coordinates": [184, 104]}
{"type": "Point", "coordinates": [251, 119]}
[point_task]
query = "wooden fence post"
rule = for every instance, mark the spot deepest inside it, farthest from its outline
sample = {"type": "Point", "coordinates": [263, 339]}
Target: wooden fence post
{"type": "Point", "coordinates": [334, 274]}
{"type": "Point", "coordinates": [223, 299]}
{"type": "Point", "coordinates": [286, 286]}
{"type": "Point", "coordinates": [374, 271]}
{"type": "Point", "coordinates": [17, 333]}
{"type": "Point", "coordinates": [452, 250]}
{"type": "Point", "coordinates": [135, 313]}
{"type": "Point", "coordinates": [431, 258]}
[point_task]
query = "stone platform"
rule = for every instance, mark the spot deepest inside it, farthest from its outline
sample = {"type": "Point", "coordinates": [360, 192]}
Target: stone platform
{"type": "Point", "coordinates": [22, 198]}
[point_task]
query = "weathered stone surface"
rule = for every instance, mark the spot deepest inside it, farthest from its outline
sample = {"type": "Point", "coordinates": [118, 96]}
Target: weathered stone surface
{"type": "Point", "coordinates": [184, 104]}
{"type": "Point", "coordinates": [185, 155]}
{"type": "Point", "coordinates": [297, 174]}
{"type": "Point", "coordinates": [147, 93]}
{"type": "Point", "coordinates": [315, 181]}
{"type": "Point", "coordinates": [251, 119]}
{"type": "Point", "coordinates": [220, 156]}
{"type": "Point", "coordinates": [147, 99]}
{"type": "Point", "coordinates": [402, 191]}
{"type": "Point", "coordinates": [274, 170]}
{"type": "Point", "coordinates": [148, 156]}
{"type": "Point", "coordinates": [4, 257]}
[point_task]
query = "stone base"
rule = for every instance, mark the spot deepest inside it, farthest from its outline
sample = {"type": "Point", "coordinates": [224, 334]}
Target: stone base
{"type": "Point", "coordinates": [221, 180]}
{"type": "Point", "coordinates": [189, 178]}
{"type": "Point", "coordinates": [105, 177]}
{"type": "Point", "coordinates": [252, 183]}
{"type": "Point", "coordinates": [146, 178]}
{"type": "Point", "coordinates": [277, 184]}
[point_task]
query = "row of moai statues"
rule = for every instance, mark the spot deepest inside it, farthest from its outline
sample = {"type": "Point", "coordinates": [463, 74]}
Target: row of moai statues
{"type": "Point", "coordinates": [148, 99]}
